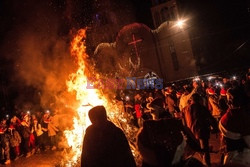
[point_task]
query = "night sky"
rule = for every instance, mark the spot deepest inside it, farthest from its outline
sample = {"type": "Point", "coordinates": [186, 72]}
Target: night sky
{"type": "Point", "coordinates": [31, 31]}
{"type": "Point", "coordinates": [34, 46]}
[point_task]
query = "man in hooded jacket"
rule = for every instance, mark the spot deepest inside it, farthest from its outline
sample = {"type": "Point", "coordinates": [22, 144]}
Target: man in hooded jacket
{"type": "Point", "coordinates": [105, 144]}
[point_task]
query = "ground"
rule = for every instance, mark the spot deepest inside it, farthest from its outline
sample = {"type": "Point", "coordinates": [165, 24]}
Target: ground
{"type": "Point", "coordinates": [214, 142]}
{"type": "Point", "coordinates": [45, 159]}
{"type": "Point", "coordinates": [54, 158]}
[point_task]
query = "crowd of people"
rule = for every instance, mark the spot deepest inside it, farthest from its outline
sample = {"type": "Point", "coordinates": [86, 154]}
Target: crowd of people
{"type": "Point", "coordinates": [189, 111]}
{"type": "Point", "coordinates": [204, 105]}
{"type": "Point", "coordinates": [26, 134]}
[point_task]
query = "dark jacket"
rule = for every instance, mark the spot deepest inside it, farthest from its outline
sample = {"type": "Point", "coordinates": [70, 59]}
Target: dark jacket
{"type": "Point", "coordinates": [235, 125]}
{"type": "Point", "coordinates": [25, 131]}
{"type": "Point", "coordinates": [106, 145]}
{"type": "Point", "coordinates": [199, 119]}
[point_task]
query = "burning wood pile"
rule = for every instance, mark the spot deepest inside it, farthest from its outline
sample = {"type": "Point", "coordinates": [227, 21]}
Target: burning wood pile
{"type": "Point", "coordinates": [88, 98]}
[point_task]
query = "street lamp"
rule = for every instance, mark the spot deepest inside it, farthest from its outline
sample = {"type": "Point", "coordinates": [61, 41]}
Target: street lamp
{"type": "Point", "coordinates": [180, 23]}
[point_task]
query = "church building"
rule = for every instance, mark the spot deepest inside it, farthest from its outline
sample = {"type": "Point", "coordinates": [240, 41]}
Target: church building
{"type": "Point", "coordinates": [137, 50]}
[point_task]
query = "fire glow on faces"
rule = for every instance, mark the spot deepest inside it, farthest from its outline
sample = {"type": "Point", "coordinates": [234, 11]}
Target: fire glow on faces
{"type": "Point", "coordinates": [87, 99]}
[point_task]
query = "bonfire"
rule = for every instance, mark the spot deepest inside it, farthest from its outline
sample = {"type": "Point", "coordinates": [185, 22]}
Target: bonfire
{"type": "Point", "coordinates": [89, 98]}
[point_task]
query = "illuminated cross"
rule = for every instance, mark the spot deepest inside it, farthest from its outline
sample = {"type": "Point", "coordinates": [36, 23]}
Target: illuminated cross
{"type": "Point", "coordinates": [134, 43]}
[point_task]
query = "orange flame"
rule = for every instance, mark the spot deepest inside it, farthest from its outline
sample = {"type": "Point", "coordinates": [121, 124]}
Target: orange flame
{"type": "Point", "coordinates": [89, 98]}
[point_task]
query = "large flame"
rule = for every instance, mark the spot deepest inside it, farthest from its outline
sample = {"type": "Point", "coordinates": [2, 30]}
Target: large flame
{"type": "Point", "coordinates": [87, 99]}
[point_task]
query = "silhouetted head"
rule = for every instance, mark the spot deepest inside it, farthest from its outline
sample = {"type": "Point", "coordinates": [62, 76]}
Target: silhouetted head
{"type": "Point", "coordinates": [195, 98]}
{"type": "Point", "coordinates": [97, 115]}
{"type": "Point", "coordinates": [236, 97]}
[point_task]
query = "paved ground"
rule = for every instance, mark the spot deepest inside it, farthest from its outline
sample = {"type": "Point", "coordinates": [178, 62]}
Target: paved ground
{"type": "Point", "coordinates": [54, 158]}
{"type": "Point", "coordinates": [45, 159]}
{"type": "Point", "coordinates": [215, 157]}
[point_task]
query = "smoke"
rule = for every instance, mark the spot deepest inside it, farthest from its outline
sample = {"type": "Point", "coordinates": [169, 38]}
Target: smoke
{"type": "Point", "coordinates": [37, 43]}
{"type": "Point", "coordinates": [36, 40]}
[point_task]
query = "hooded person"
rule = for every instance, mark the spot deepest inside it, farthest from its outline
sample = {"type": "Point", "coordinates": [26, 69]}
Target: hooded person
{"type": "Point", "coordinates": [105, 144]}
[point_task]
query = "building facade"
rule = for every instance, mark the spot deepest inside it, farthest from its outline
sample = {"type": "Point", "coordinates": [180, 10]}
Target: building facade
{"type": "Point", "coordinates": [164, 10]}
{"type": "Point", "coordinates": [174, 45]}
{"type": "Point", "coordinates": [136, 50]}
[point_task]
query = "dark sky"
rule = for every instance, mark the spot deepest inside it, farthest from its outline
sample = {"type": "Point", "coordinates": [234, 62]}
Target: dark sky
{"type": "Point", "coordinates": [208, 21]}
{"type": "Point", "coordinates": [15, 13]}
{"type": "Point", "coordinates": [143, 12]}
{"type": "Point", "coordinates": [34, 45]}
{"type": "Point", "coordinates": [20, 18]}
{"type": "Point", "coordinates": [220, 32]}
{"type": "Point", "coordinates": [32, 32]}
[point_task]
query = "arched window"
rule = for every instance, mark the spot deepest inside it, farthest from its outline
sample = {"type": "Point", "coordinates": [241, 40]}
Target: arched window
{"type": "Point", "coordinates": [173, 13]}
{"type": "Point", "coordinates": [173, 56]}
{"type": "Point", "coordinates": [165, 14]}
{"type": "Point", "coordinates": [157, 19]}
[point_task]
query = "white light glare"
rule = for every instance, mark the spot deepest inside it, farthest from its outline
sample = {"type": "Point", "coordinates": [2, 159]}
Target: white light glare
{"type": "Point", "coordinates": [180, 23]}
{"type": "Point", "coordinates": [209, 78]}
{"type": "Point", "coordinates": [196, 79]}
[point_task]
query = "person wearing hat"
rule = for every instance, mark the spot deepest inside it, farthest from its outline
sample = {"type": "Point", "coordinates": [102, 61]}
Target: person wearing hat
{"type": "Point", "coordinates": [25, 133]}
{"type": "Point", "coordinates": [4, 143]}
{"type": "Point", "coordinates": [3, 124]}
{"type": "Point", "coordinates": [138, 109]}
{"type": "Point", "coordinates": [16, 122]}
{"type": "Point", "coordinates": [223, 101]}
{"type": "Point", "coordinates": [159, 148]}
{"type": "Point", "coordinates": [178, 96]}
{"type": "Point", "coordinates": [104, 144]}
{"type": "Point", "coordinates": [171, 101]}
{"type": "Point", "coordinates": [53, 132]}
{"type": "Point", "coordinates": [235, 128]}
{"type": "Point", "coordinates": [44, 124]}
{"type": "Point", "coordinates": [36, 129]}
{"type": "Point", "coordinates": [15, 141]}
{"type": "Point", "coordinates": [188, 92]}
{"type": "Point", "coordinates": [213, 104]}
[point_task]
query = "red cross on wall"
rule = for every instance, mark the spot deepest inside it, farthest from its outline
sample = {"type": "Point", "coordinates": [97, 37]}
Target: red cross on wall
{"type": "Point", "coordinates": [134, 44]}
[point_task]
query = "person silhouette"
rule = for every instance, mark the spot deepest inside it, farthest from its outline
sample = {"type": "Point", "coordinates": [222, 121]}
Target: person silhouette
{"type": "Point", "coordinates": [104, 144]}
